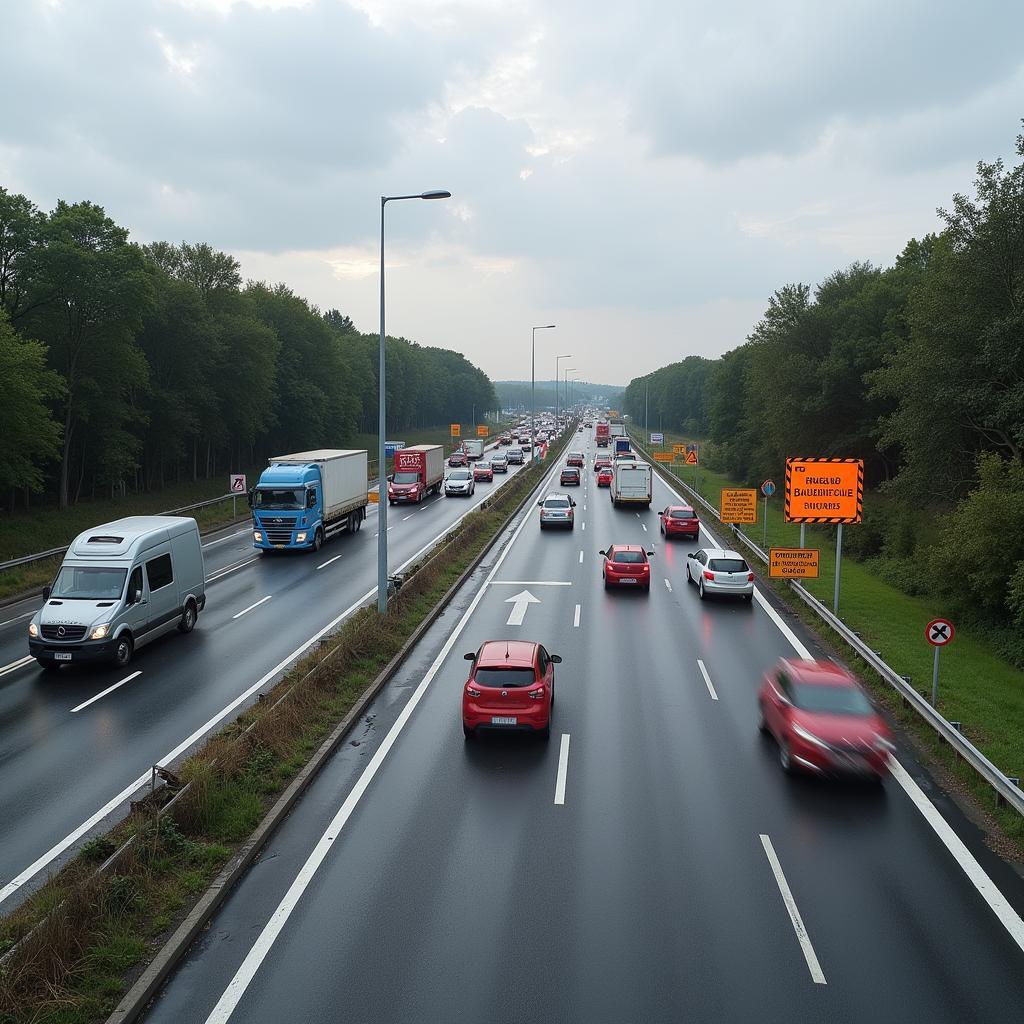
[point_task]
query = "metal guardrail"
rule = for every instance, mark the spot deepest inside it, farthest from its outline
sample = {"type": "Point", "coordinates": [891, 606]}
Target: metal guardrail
{"type": "Point", "coordinates": [1007, 792]}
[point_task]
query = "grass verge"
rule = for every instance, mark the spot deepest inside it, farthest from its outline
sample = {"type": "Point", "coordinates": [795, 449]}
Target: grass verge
{"type": "Point", "coordinates": [976, 688]}
{"type": "Point", "coordinates": [78, 941]}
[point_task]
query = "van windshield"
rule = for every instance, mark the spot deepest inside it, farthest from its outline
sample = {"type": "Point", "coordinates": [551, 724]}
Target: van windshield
{"type": "Point", "coordinates": [89, 583]}
{"type": "Point", "coordinates": [406, 478]}
{"type": "Point", "coordinates": [266, 497]}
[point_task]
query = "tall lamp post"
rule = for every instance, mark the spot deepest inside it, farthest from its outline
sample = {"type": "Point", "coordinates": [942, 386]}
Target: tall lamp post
{"type": "Point", "coordinates": [571, 383]}
{"type": "Point", "coordinates": [533, 381]}
{"type": "Point", "coordinates": [382, 476]}
{"type": "Point", "coordinates": [558, 359]}
{"type": "Point", "coordinates": [568, 370]}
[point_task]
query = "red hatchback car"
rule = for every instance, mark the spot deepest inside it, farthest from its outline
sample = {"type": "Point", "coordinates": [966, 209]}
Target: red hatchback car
{"type": "Point", "coordinates": [510, 687]}
{"type": "Point", "coordinates": [604, 476]}
{"type": "Point", "coordinates": [570, 475]}
{"type": "Point", "coordinates": [823, 721]}
{"type": "Point", "coordinates": [574, 459]}
{"type": "Point", "coordinates": [626, 565]}
{"type": "Point", "coordinates": [483, 471]}
{"type": "Point", "coordinates": [458, 459]}
{"type": "Point", "coordinates": [680, 521]}
{"type": "Point", "coordinates": [600, 462]}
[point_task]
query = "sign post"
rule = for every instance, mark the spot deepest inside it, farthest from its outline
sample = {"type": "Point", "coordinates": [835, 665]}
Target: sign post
{"type": "Point", "coordinates": [767, 489]}
{"type": "Point", "coordinates": [693, 459]}
{"type": "Point", "coordinates": [237, 487]}
{"type": "Point", "coordinates": [824, 490]}
{"type": "Point", "coordinates": [938, 632]}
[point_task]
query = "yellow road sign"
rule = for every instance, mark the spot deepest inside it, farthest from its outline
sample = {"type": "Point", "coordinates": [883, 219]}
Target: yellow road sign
{"type": "Point", "coordinates": [824, 490]}
{"type": "Point", "coordinates": [679, 449]}
{"type": "Point", "coordinates": [663, 456]}
{"type": "Point", "coordinates": [793, 563]}
{"type": "Point", "coordinates": [456, 430]}
{"type": "Point", "coordinates": [481, 431]}
{"type": "Point", "coordinates": [373, 497]}
{"type": "Point", "coordinates": [739, 505]}
{"type": "Point", "coordinates": [691, 458]}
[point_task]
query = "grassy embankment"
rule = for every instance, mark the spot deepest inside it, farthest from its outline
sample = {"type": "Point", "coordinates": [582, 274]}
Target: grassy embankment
{"type": "Point", "coordinates": [97, 931]}
{"type": "Point", "coordinates": [46, 527]}
{"type": "Point", "coordinates": [976, 688]}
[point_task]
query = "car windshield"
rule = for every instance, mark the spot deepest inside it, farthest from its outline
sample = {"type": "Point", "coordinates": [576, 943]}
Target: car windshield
{"type": "Point", "coordinates": [460, 474]}
{"type": "Point", "coordinates": [628, 556]}
{"type": "Point", "coordinates": [556, 502]}
{"type": "Point", "coordinates": [831, 700]}
{"type": "Point", "coordinates": [406, 478]}
{"type": "Point", "coordinates": [483, 465]}
{"type": "Point", "coordinates": [570, 472]}
{"type": "Point", "coordinates": [89, 583]}
{"type": "Point", "coordinates": [505, 677]}
{"type": "Point", "coordinates": [682, 513]}
{"type": "Point", "coordinates": [727, 565]}
{"type": "Point", "coordinates": [265, 497]}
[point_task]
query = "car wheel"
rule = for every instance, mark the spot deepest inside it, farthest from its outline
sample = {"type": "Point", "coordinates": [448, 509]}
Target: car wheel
{"type": "Point", "coordinates": [468, 732]}
{"type": "Point", "coordinates": [545, 733]}
{"type": "Point", "coordinates": [123, 650]}
{"type": "Point", "coordinates": [700, 589]}
{"type": "Point", "coordinates": [762, 724]}
{"type": "Point", "coordinates": [647, 588]}
{"type": "Point", "coordinates": [607, 585]}
{"type": "Point", "coordinates": [662, 526]}
{"type": "Point", "coordinates": [748, 598]}
{"type": "Point", "coordinates": [188, 618]}
{"type": "Point", "coordinates": [785, 760]}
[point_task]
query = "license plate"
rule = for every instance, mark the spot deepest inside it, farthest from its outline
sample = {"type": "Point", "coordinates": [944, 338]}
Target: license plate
{"type": "Point", "coordinates": [627, 579]}
{"type": "Point", "coordinates": [61, 657]}
{"type": "Point", "coordinates": [504, 720]}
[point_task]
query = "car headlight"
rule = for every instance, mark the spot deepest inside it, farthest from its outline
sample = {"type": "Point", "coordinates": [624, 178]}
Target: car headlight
{"type": "Point", "coordinates": [300, 537]}
{"type": "Point", "coordinates": [257, 536]}
{"type": "Point", "coordinates": [99, 632]}
{"type": "Point", "coordinates": [810, 737]}
{"type": "Point", "coordinates": [33, 629]}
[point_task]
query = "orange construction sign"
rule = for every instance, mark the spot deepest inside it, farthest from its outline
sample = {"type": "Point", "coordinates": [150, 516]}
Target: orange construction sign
{"type": "Point", "coordinates": [481, 431]}
{"type": "Point", "coordinates": [793, 563]}
{"type": "Point", "coordinates": [824, 490]}
{"type": "Point", "coordinates": [739, 505]}
{"type": "Point", "coordinates": [663, 456]}
{"type": "Point", "coordinates": [456, 430]}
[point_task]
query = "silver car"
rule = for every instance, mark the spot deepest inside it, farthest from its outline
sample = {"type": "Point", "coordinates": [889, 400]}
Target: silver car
{"type": "Point", "coordinates": [499, 462]}
{"type": "Point", "coordinates": [720, 571]}
{"type": "Point", "coordinates": [557, 510]}
{"type": "Point", "coordinates": [459, 482]}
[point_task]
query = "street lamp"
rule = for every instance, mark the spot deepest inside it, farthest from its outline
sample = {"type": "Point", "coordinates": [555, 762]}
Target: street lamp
{"type": "Point", "coordinates": [382, 477]}
{"type": "Point", "coordinates": [533, 375]}
{"type": "Point", "coordinates": [558, 359]}
{"type": "Point", "coordinates": [568, 370]}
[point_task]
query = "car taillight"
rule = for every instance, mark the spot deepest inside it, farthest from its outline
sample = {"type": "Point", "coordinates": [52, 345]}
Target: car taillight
{"type": "Point", "coordinates": [472, 691]}
{"type": "Point", "coordinates": [537, 694]}
{"type": "Point", "coordinates": [750, 577]}
{"type": "Point", "coordinates": [709, 575]}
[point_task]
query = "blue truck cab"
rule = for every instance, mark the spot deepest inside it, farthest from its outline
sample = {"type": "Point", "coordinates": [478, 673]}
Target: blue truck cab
{"type": "Point", "coordinates": [301, 500]}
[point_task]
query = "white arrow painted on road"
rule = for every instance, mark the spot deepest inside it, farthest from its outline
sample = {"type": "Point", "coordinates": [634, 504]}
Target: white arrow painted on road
{"type": "Point", "coordinates": [520, 603]}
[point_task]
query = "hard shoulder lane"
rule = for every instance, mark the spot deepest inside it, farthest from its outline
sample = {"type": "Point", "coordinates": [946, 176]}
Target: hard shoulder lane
{"type": "Point", "coordinates": [185, 683]}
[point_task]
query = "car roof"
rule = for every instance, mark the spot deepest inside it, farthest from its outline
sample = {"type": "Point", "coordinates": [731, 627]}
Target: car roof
{"type": "Point", "coordinates": [628, 547]}
{"type": "Point", "coordinates": [680, 508]}
{"type": "Point", "coordinates": [556, 494]}
{"type": "Point", "coordinates": [722, 553]}
{"type": "Point", "coordinates": [510, 653]}
{"type": "Point", "coordinates": [820, 673]}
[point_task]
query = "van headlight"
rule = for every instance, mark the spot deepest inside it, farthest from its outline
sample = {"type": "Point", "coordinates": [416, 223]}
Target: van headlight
{"type": "Point", "coordinates": [300, 538]}
{"type": "Point", "coordinates": [33, 629]}
{"type": "Point", "coordinates": [99, 632]}
{"type": "Point", "coordinates": [257, 536]}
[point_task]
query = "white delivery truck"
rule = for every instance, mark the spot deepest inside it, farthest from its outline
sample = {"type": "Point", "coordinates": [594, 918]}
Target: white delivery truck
{"type": "Point", "coordinates": [632, 484]}
{"type": "Point", "coordinates": [474, 448]}
{"type": "Point", "coordinates": [303, 499]}
{"type": "Point", "coordinates": [121, 585]}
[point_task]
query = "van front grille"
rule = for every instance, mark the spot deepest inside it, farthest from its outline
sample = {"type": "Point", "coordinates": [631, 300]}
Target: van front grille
{"type": "Point", "coordinates": [63, 632]}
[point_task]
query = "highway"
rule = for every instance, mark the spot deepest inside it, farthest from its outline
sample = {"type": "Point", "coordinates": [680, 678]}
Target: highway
{"type": "Point", "coordinates": [649, 863]}
{"type": "Point", "coordinates": [76, 745]}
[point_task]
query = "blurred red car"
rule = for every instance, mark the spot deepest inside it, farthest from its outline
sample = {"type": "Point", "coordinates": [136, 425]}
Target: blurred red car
{"type": "Point", "coordinates": [600, 462]}
{"type": "Point", "coordinates": [823, 721]}
{"type": "Point", "coordinates": [574, 459]}
{"type": "Point", "coordinates": [510, 687]}
{"type": "Point", "coordinates": [679, 521]}
{"type": "Point", "coordinates": [482, 471]}
{"type": "Point", "coordinates": [458, 459]}
{"type": "Point", "coordinates": [626, 565]}
{"type": "Point", "coordinates": [604, 476]}
{"type": "Point", "coordinates": [570, 475]}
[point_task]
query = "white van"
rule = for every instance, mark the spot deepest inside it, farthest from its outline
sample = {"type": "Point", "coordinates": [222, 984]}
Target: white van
{"type": "Point", "coordinates": [121, 585]}
{"type": "Point", "coordinates": [632, 483]}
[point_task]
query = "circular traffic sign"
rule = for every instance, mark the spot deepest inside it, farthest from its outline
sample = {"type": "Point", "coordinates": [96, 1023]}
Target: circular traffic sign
{"type": "Point", "coordinates": [939, 632]}
{"type": "Point", "coordinates": [768, 488]}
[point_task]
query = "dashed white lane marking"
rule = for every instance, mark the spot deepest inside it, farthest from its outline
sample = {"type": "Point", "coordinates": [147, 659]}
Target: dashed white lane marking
{"type": "Point", "coordinates": [103, 693]}
{"type": "Point", "coordinates": [245, 611]}
{"type": "Point", "coordinates": [794, 913]}
{"type": "Point", "coordinates": [643, 526]}
{"type": "Point", "coordinates": [581, 558]}
{"type": "Point", "coordinates": [563, 769]}
{"type": "Point", "coordinates": [328, 562]}
{"type": "Point", "coordinates": [28, 615]}
{"type": "Point", "coordinates": [668, 585]}
{"type": "Point", "coordinates": [707, 679]}
{"type": "Point", "coordinates": [576, 618]}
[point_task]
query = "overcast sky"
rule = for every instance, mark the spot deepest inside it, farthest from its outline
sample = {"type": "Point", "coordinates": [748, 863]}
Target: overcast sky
{"type": "Point", "coordinates": [641, 174]}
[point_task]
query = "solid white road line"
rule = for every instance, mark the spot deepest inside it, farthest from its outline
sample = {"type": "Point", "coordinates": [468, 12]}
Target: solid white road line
{"type": "Point", "coordinates": [563, 769]}
{"type": "Point", "coordinates": [409, 516]}
{"type": "Point", "coordinates": [16, 664]}
{"type": "Point", "coordinates": [261, 947]}
{"type": "Point", "coordinates": [581, 558]}
{"type": "Point", "coordinates": [1008, 917]}
{"type": "Point", "coordinates": [250, 608]}
{"type": "Point", "coordinates": [668, 585]}
{"type": "Point", "coordinates": [528, 583]}
{"type": "Point", "coordinates": [17, 618]}
{"type": "Point", "coordinates": [576, 618]}
{"type": "Point", "coordinates": [231, 568]}
{"type": "Point", "coordinates": [111, 805]}
{"type": "Point", "coordinates": [328, 562]}
{"type": "Point", "coordinates": [794, 913]}
{"type": "Point", "coordinates": [103, 693]}
{"type": "Point", "coordinates": [707, 679]}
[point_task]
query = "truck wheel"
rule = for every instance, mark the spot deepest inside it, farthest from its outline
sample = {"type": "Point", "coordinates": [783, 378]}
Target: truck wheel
{"type": "Point", "coordinates": [188, 618]}
{"type": "Point", "coordinates": [123, 650]}
{"type": "Point", "coordinates": [318, 539]}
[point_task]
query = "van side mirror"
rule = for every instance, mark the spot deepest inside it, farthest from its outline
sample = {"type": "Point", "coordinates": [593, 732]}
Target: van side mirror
{"type": "Point", "coordinates": [46, 593]}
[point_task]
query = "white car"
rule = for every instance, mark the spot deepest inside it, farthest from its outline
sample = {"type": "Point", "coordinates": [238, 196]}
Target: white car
{"type": "Point", "coordinates": [458, 482]}
{"type": "Point", "coordinates": [720, 571]}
